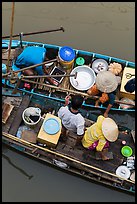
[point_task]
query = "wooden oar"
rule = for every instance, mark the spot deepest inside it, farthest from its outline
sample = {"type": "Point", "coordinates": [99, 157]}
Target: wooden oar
{"type": "Point", "coordinates": [37, 32]}
{"type": "Point", "coordinates": [30, 67]}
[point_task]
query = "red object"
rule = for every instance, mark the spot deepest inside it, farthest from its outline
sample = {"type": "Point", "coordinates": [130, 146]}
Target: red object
{"type": "Point", "coordinates": [26, 85]}
{"type": "Point", "coordinates": [123, 142]}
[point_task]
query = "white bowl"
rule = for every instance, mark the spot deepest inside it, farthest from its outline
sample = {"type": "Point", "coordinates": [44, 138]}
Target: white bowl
{"type": "Point", "coordinates": [85, 78]}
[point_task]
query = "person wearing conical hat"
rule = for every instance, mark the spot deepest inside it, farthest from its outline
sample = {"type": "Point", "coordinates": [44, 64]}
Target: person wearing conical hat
{"type": "Point", "coordinates": [105, 86]}
{"type": "Point", "coordinates": [100, 134]}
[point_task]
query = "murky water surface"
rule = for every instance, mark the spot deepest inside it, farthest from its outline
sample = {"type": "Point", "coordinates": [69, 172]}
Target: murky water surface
{"type": "Point", "coordinates": [102, 27]}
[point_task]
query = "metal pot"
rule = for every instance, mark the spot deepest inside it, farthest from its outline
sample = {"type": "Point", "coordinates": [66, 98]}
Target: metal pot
{"type": "Point", "coordinates": [99, 65]}
{"type": "Point", "coordinates": [85, 78]}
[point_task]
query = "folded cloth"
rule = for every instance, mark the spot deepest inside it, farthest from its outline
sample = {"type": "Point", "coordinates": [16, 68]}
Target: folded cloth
{"type": "Point", "coordinates": [32, 111]}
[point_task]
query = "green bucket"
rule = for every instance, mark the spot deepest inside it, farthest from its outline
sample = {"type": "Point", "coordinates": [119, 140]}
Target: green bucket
{"type": "Point", "coordinates": [126, 151]}
{"type": "Point", "coordinates": [80, 61]}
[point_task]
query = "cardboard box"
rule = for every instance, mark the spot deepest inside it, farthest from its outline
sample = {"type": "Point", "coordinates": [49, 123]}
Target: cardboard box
{"type": "Point", "coordinates": [123, 92]}
{"type": "Point", "coordinates": [45, 138]}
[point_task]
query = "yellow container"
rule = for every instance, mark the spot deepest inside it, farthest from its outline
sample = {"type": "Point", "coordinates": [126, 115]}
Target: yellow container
{"type": "Point", "coordinates": [66, 57]}
{"type": "Point", "coordinates": [48, 139]}
{"type": "Point", "coordinates": [66, 65]}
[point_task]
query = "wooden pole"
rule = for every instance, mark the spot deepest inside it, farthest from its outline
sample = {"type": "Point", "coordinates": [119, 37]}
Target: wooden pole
{"type": "Point", "coordinates": [45, 76]}
{"type": "Point", "coordinates": [30, 67]}
{"type": "Point", "coordinates": [11, 32]}
{"type": "Point", "coordinates": [37, 32]}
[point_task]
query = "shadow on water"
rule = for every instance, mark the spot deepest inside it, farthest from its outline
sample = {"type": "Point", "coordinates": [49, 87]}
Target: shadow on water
{"type": "Point", "coordinates": [15, 166]}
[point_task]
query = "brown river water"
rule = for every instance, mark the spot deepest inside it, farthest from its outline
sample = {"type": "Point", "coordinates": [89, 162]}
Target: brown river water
{"type": "Point", "coordinates": [102, 27]}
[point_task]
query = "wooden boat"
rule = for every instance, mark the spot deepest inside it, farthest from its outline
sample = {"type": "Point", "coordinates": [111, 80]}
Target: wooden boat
{"type": "Point", "coordinates": [40, 86]}
{"type": "Point", "coordinates": [65, 155]}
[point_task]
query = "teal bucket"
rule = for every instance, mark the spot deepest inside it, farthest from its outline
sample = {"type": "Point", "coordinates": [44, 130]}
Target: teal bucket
{"type": "Point", "coordinates": [80, 61]}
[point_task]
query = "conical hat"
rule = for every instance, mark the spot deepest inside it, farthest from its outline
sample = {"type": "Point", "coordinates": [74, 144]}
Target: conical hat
{"type": "Point", "coordinates": [110, 129]}
{"type": "Point", "coordinates": [106, 81]}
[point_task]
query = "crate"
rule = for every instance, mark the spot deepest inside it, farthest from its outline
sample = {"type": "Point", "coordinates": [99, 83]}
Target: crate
{"type": "Point", "coordinates": [45, 138]}
{"type": "Point", "coordinates": [123, 92]}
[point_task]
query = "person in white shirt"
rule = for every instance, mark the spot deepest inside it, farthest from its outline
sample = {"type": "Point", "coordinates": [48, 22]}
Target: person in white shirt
{"type": "Point", "coordinates": [71, 117]}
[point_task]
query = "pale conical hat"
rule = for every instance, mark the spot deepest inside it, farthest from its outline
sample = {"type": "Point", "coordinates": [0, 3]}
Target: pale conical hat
{"type": "Point", "coordinates": [110, 129]}
{"type": "Point", "coordinates": [106, 81]}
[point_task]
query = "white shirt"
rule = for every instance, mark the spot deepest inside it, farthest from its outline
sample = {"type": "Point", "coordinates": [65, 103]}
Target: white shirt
{"type": "Point", "coordinates": [71, 121]}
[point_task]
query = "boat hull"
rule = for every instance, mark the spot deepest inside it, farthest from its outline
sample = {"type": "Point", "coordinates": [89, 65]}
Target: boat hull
{"type": "Point", "coordinates": [66, 155]}
{"type": "Point", "coordinates": [91, 103]}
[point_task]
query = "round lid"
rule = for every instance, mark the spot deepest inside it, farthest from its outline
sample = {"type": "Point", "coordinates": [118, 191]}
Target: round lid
{"type": "Point", "coordinates": [99, 65]}
{"type": "Point", "coordinates": [126, 151]}
{"type": "Point", "coordinates": [123, 172]}
{"type": "Point", "coordinates": [80, 61]}
{"type": "Point", "coordinates": [51, 126]}
{"type": "Point", "coordinates": [67, 53]}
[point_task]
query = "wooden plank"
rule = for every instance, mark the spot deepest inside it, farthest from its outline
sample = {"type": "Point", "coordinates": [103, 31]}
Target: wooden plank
{"type": "Point", "coordinates": [17, 120]}
{"type": "Point", "coordinates": [7, 109]}
{"type": "Point", "coordinates": [5, 54]}
{"type": "Point", "coordinates": [6, 127]}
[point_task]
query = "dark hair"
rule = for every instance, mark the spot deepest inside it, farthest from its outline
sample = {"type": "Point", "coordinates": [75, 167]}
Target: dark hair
{"type": "Point", "coordinates": [130, 85]}
{"type": "Point", "coordinates": [76, 101]}
{"type": "Point", "coordinates": [51, 53]}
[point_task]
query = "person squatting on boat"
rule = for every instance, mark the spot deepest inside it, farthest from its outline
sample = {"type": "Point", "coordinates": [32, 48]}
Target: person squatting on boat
{"type": "Point", "coordinates": [99, 135]}
{"type": "Point", "coordinates": [105, 86]}
{"type": "Point", "coordinates": [33, 55]}
{"type": "Point", "coordinates": [71, 117]}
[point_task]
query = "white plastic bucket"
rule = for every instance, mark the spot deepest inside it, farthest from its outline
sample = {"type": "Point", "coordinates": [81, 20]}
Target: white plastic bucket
{"type": "Point", "coordinates": [31, 124]}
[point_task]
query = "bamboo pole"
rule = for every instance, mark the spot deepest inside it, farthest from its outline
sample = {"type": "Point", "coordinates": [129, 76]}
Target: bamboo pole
{"type": "Point", "coordinates": [37, 32]}
{"type": "Point", "coordinates": [11, 32]}
{"type": "Point", "coordinates": [44, 76]}
{"type": "Point", "coordinates": [61, 155]}
{"type": "Point", "coordinates": [71, 91]}
{"type": "Point", "coordinates": [30, 67]}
